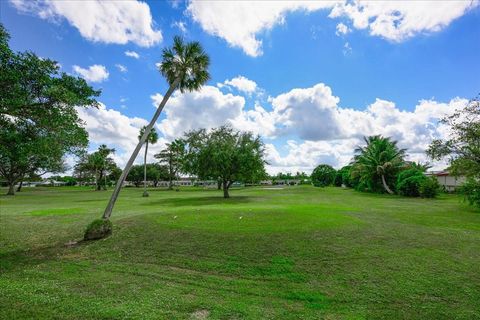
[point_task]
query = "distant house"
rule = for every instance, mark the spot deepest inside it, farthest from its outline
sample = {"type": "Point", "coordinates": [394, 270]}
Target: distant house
{"type": "Point", "coordinates": [266, 182]}
{"type": "Point", "coordinates": [287, 182]}
{"type": "Point", "coordinates": [185, 182]}
{"type": "Point", "coordinates": [44, 183]}
{"type": "Point", "coordinates": [206, 183]}
{"type": "Point", "coordinates": [449, 182]}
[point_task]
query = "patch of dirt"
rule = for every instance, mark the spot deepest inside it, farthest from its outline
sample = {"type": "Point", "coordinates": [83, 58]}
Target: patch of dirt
{"type": "Point", "coordinates": [200, 314]}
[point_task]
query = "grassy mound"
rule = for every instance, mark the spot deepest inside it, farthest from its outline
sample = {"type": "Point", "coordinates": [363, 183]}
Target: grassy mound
{"type": "Point", "coordinates": [98, 229]}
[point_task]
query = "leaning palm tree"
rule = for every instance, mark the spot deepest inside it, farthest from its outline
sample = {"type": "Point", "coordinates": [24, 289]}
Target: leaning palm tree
{"type": "Point", "coordinates": [185, 67]}
{"type": "Point", "coordinates": [379, 158]}
{"type": "Point", "coordinates": [152, 139]}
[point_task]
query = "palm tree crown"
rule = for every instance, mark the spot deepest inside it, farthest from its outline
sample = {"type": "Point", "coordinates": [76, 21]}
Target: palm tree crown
{"type": "Point", "coordinates": [152, 136]}
{"type": "Point", "coordinates": [377, 160]}
{"type": "Point", "coordinates": [186, 63]}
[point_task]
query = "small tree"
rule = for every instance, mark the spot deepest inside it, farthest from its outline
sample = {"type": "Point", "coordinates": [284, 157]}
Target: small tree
{"type": "Point", "coordinates": [152, 138]}
{"type": "Point", "coordinates": [157, 173]}
{"type": "Point", "coordinates": [323, 175]}
{"type": "Point", "coordinates": [136, 175]}
{"type": "Point", "coordinates": [170, 157]}
{"type": "Point", "coordinates": [97, 165]}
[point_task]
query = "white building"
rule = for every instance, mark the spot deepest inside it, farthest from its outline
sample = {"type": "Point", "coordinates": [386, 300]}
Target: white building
{"type": "Point", "coordinates": [449, 182]}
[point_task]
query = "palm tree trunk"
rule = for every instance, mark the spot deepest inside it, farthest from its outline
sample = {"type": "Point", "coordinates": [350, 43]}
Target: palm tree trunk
{"type": "Point", "coordinates": [145, 193]}
{"type": "Point", "coordinates": [385, 185]}
{"type": "Point", "coordinates": [108, 210]}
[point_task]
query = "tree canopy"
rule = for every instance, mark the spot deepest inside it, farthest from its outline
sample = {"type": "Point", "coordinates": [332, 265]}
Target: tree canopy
{"type": "Point", "coordinates": [171, 158]}
{"type": "Point", "coordinates": [323, 175]}
{"type": "Point", "coordinates": [38, 120]}
{"type": "Point", "coordinates": [224, 154]}
{"type": "Point", "coordinates": [463, 145]}
{"type": "Point", "coordinates": [462, 148]}
{"type": "Point", "coordinates": [97, 166]}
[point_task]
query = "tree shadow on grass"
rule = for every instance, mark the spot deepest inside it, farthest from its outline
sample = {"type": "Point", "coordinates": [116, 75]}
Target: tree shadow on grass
{"type": "Point", "coordinates": [200, 201]}
{"type": "Point", "coordinates": [15, 259]}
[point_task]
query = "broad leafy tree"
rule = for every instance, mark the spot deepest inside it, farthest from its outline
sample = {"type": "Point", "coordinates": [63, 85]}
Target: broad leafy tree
{"type": "Point", "coordinates": [171, 158]}
{"type": "Point", "coordinates": [135, 175]}
{"type": "Point", "coordinates": [378, 162]}
{"type": "Point", "coordinates": [38, 120]}
{"type": "Point", "coordinates": [156, 173]}
{"type": "Point", "coordinates": [462, 147]}
{"type": "Point", "coordinates": [224, 154]}
{"type": "Point", "coordinates": [323, 175]}
{"type": "Point", "coordinates": [185, 67]}
{"type": "Point", "coordinates": [152, 138]}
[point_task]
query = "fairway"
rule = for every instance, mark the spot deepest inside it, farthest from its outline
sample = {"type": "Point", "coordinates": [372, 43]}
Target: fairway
{"type": "Point", "coordinates": [293, 253]}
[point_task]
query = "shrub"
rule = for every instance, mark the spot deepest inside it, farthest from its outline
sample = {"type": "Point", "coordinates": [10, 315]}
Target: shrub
{"type": "Point", "coordinates": [323, 175]}
{"type": "Point", "coordinates": [338, 181]}
{"type": "Point", "coordinates": [409, 182]}
{"type": "Point", "coordinates": [471, 192]}
{"type": "Point", "coordinates": [429, 188]}
{"type": "Point", "coordinates": [342, 177]}
{"type": "Point", "coordinates": [98, 229]}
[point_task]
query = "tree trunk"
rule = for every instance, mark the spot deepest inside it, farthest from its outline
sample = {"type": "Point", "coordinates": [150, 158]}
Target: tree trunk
{"type": "Point", "coordinates": [219, 184]}
{"type": "Point", "coordinates": [108, 210]}
{"type": "Point", "coordinates": [99, 182]}
{"type": "Point", "coordinates": [225, 189]}
{"type": "Point", "coordinates": [20, 186]}
{"type": "Point", "coordinates": [11, 189]}
{"type": "Point", "coordinates": [170, 173]}
{"type": "Point", "coordinates": [385, 185]}
{"type": "Point", "coordinates": [145, 193]}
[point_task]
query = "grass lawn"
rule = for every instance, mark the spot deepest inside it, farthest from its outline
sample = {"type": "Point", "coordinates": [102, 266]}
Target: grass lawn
{"type": "Point", "coordinates": [296, 253]}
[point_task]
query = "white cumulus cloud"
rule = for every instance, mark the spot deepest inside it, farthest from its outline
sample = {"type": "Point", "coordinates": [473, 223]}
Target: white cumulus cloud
{"type": "Point", "coordinates": [94, 73]}
{"type": "Point", "coordinates": [132, 54]}
{"type": "Point", "coordinates": [240, 83]}
{"type": "Point", "coordinates": [399, 20]}
{"type": "Point", "coordinates": [240, 23]}
{"type": "Point", "coordinates": [100, 21]}
{"type": "Point", "coordinates": [117, 130]}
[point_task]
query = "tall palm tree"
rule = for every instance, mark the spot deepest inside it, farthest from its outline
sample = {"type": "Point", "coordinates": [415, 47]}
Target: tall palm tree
{"type": "Point", "coordinates": [152, 138]}
{"type": "Point", "coordinates": [379, 158]}
{"type": "Point", "coordinates": [185, 67]}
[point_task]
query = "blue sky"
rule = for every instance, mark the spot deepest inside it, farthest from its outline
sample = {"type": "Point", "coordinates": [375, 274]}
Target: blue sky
{"type": "Point", "coordinates": [323, 75]}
